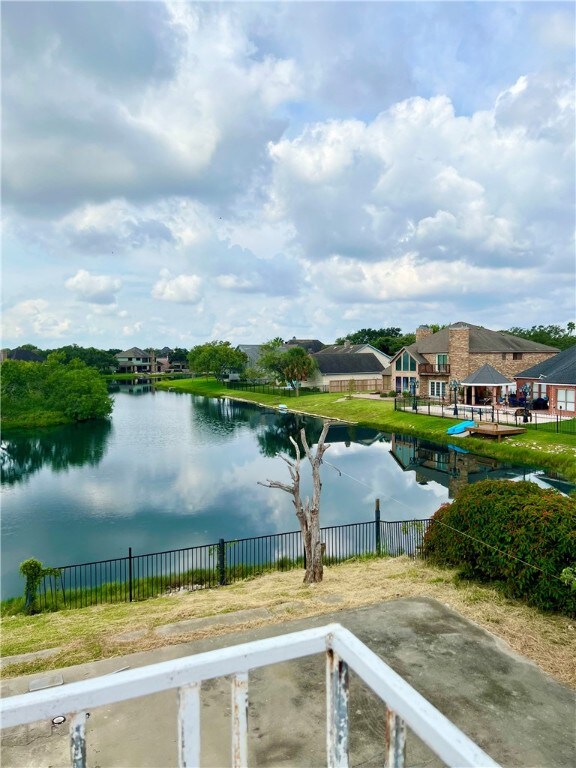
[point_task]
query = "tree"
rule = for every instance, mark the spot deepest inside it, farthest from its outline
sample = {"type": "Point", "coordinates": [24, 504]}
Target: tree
{"type": "Point", "coordinates": [293, 364]}
{"type": "Point", "coordinates": [178, 355]}
{"type": "Point", "coordinates": [297, 365]}
{"type": "Point", "coordinates": [78, 391]}
{"type": "Point", "coordinates": [307, 512]}
{"type": "Point", "coordinates": [104, 361]}
{"type": "Point", "coordinates": [216, 358]}
{"type": "Point", "coordinates": [270, 359]}
{"type": "Point", "coordinates": [387, 340]}
{"type": "Point", "coordinates": [66, 391]}
{"type": "Point", "coordinates": [552, 335]}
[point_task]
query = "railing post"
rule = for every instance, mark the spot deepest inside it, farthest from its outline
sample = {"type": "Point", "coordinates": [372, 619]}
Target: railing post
{"type": "Point", "coordinates": [221, 562]}
{"type": "Point", "coordinates": [395, 740]}
{"type": "Point", "coordinates": [377, 524]}
{"type": "Point", "coordinates": [336, 710]}
{"type": "Point", "coordinates": [130, 573]}
{"type": "Point", "coordinates": [78, 740]}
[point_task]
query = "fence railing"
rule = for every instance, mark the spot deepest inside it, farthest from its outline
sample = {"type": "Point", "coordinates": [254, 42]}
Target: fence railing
{"type": "Point", "coordinates": [540, 420]}
{"type": "Point", "coordinates": [406, 709]}
{"type": "Point", "coordinates": [138, 577]}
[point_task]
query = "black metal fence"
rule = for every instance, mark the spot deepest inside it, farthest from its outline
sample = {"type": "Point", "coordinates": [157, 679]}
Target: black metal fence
{"type": "Point", "coordinates": [539, 420]}
{"type": "Point", "coordinates": [138, 577]}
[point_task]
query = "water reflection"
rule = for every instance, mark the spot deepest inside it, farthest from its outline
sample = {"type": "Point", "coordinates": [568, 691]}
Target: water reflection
{"type": "Point", "coordinates": [71, 445]}
{"type": "Point", "coordinates": [177, 470]}
{"type": "Point", "coordinates": [136, 386]}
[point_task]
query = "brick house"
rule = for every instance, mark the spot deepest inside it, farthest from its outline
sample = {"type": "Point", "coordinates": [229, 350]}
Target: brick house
{"type": "Point", "coordinates": [457, 353]}
{"type": "Point", "coordinates": [554, 381]}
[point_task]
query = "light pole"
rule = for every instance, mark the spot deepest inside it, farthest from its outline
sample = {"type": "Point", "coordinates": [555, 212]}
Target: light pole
{"type": "Point", "coordinates": [455, 386]}
{"type": "Point", "coordinates": [413, 391]}
{"type": "Point", "coordinates": [525, 389]}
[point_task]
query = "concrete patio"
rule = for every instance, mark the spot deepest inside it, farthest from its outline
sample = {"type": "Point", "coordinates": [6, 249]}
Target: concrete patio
{"type": "Point", "coordinates": [516, 713]}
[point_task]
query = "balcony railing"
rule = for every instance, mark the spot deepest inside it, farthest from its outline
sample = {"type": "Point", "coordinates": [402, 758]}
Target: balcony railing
{"type": "Point", "coordinates": [405, 706]}
{"type": "Point", "coordinates": [427, 369]}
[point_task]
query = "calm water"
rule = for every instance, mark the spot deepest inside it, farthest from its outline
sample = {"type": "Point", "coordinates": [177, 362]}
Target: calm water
{"type": "Point", "coordinates": [173, 470]}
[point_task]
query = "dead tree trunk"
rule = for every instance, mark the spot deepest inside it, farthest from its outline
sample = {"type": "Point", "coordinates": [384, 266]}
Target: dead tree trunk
{"type": "Point", "coordinates": [307, 512]}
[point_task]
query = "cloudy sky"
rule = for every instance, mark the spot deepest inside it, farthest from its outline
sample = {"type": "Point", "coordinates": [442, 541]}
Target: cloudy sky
{"type": "Point", "coordinates": [178, 172]}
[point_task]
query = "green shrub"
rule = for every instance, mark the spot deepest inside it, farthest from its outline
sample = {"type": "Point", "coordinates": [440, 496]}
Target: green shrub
{"type": "Point", "coordinates": [33, 572]}
{"type": "Point", "coordinates": [514, 533]}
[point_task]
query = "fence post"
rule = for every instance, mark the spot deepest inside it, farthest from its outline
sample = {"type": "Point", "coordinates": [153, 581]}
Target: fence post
{"type": "Point", "coordinates": [221, 563]}
{"type": "Point", "coordinates": [377, 524]}
{"type": "Point", "coordinates": [130, 573]}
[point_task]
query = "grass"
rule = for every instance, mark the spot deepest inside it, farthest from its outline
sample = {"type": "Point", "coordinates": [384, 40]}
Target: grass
{"type": "Point", "coordinates": [555, 452]}
{"type": "Point", "coordinates": [89, 634]}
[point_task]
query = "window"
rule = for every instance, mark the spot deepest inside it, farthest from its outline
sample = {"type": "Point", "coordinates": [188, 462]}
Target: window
{"type": "Point", "coordinates": [441, 360]}
{"type": "Point", "coordinates": [504, 355]}
{"type": "Point", "coordinates": [516, 355]}
{"type": "Point", "coordinates": [405, 363]}
{"type": "Point", "coordinates": [565, 399]}
{"type": "Point", "coordinates": [538, 390]}
{"type": "Point", "coordinates": [437, 388]}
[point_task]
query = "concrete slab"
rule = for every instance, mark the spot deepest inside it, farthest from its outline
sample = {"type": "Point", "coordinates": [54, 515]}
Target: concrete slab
{"type": "Point", "coordinates": [516, 713]}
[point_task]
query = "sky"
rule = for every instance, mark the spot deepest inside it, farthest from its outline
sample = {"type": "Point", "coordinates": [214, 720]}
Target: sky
{"type": "Point", "coordinates": [175, 173]}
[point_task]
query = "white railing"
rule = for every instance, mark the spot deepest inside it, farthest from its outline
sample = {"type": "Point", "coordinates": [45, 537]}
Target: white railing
{"type": "Point", "coordinates": [405, 706]}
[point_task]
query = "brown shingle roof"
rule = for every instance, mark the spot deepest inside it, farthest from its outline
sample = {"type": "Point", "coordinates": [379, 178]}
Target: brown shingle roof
{"type": "Point", "coordinates": [481, 340]}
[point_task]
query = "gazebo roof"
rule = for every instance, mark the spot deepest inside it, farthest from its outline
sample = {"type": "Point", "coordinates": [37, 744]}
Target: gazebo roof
{"type": "Point", "coordinates": [486, 376]}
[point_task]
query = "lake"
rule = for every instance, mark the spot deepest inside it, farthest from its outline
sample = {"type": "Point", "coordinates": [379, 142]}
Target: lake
{"type": "Point", "coordinates": [173, 470]}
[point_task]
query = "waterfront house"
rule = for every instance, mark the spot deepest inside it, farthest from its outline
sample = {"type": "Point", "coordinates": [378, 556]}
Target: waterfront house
{"type": "Point", "coordinates": [552, 382]}
{"type": "Point", "coordinates": [457, 353]}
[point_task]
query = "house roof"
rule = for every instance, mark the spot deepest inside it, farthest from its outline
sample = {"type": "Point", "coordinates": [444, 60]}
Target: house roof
{"type": "Point", "coordinates": [486, 376]}
{"type": "Point", "coordinates": [347, 349]}
{"type": "Point", "coordinates": [133, 352]}
{"type": "Point", "coordinates": [252, 351]}
{"type": "Point", "coordinates": [27, 355]}
{"type": "Point", "coordinates": [560, 369]}
{"type": "Point", "coordinates": [346, 363]}
{"type": "Point", "coordinates": [481, 340]}
{"type": "Point", "coordinates": [310, 345]}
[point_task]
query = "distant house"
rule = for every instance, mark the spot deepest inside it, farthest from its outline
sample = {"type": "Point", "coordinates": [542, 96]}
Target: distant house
{"type": "Point", "coordinates": [342, 371]}
{"type": "Point", "coordinates": [553, 382]}
{"type": "Point", "coordinates": [310, 345]}
{"type": "Point", "coordinates": [252, 352]}
{"type": "Point", "coordinates": [458, 353]}
{"type": "Point", "coordinates": [135, 360]}
{"type": "Point", "coordinates": [357, 349]}
{"type": "Point", "coordinates": [26, 355]}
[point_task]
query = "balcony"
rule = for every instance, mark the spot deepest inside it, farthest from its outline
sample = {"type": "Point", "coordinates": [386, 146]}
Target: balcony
{"type": "Point", "coordinates": [430, 369]}
{"type": "Point", "coordinates": [405, 707]}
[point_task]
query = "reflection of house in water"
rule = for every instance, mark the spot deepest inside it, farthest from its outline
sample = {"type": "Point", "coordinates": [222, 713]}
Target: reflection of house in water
{"type": "Point", "coordinates": [449, 466]}
{"type": "Point", "coordinates": [137, 386]}
{"type": "Point", "coordinates": [354, 433]}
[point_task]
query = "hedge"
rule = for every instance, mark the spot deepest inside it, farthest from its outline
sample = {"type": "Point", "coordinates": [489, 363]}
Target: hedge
{"type": "Point", "coordinates": [515, 533]}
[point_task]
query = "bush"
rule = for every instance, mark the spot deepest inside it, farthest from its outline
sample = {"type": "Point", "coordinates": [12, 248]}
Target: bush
{"type": "Point", "coordinates": [515, 533]}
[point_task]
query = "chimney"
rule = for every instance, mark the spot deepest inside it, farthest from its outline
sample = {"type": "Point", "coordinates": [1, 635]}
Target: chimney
{"type": "Point", "coordinates": [459, 350]}
{"type": "Point", "coordinates": [346, 343]}
{"type": "Point", "coordinates": [422, 332]}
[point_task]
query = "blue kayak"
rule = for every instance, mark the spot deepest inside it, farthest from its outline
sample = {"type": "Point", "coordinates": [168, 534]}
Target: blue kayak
{"type": "Point", "coordinates": [457, 429]}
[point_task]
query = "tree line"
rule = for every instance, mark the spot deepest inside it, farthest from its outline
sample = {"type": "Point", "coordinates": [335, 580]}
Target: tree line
{"type": "Point", "coordinates": [52, 392]}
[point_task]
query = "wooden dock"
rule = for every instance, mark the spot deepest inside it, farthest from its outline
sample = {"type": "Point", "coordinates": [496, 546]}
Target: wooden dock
{"type": "Point", "coordinates": [491, 429]}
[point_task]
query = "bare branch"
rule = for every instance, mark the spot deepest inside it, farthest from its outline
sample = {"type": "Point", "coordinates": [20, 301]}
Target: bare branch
{"type": "Point", "coordinates": [278, 484]}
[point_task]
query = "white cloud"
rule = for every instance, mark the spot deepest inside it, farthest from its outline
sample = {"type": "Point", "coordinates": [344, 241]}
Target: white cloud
{"type": "Point", "coordinates": [34, 317]}
{"type": "Point", "coordinates": [96, 289]}
{"type": "Point", "coordinates": [183, 289]}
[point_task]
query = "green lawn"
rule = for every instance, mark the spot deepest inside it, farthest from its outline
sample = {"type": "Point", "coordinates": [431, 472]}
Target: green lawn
{"type": "Point", "coordinates": [551, 451]}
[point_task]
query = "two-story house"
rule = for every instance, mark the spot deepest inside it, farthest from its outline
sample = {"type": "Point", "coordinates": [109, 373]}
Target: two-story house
{"type": "Point", "coordinates": [481, 362]}
{"type": "Point", "coordinates": [135, 360]}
